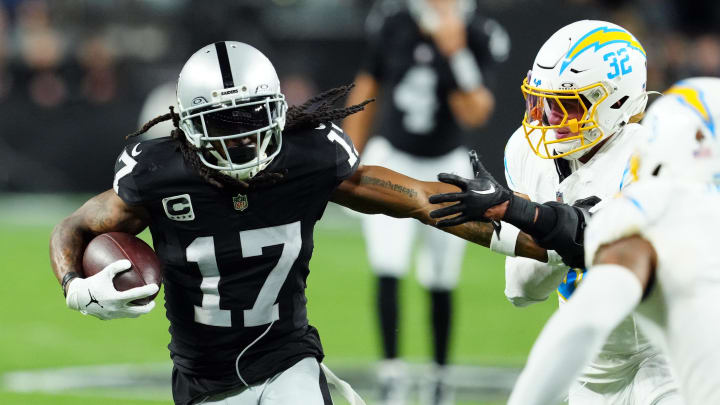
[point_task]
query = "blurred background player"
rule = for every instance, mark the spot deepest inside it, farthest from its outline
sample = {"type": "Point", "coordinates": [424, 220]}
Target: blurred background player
{"type": "Point", "coordinates": [650, 253]}
{"type": "Point", "coordinates": [585, 94]}
{"type": "Point", "coordinates": [427, 61]}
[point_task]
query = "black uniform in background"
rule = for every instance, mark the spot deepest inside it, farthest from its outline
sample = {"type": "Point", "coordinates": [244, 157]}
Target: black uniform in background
{"type": "Point", "coordinates": [236, 262]}
{"type": "Point", "coordinates": [416, 80]}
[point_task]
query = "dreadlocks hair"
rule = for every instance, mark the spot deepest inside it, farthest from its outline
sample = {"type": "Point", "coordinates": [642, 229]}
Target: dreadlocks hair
{"type": "Point", "coordinates": [310, 114]}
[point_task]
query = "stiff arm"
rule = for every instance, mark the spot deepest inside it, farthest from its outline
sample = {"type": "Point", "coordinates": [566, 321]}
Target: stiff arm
{"type": "Point", "coordinates": [103, 213]}
{"type": "Point", "coordinates": [377, 190]}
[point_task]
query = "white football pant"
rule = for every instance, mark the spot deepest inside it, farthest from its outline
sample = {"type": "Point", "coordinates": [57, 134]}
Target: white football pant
{"type": "Point", "coordinates": [301, 384]}
{"type": "Point", "coordinates": [390, 241]}
{"type": "Point", "coordinates": [653, 384]}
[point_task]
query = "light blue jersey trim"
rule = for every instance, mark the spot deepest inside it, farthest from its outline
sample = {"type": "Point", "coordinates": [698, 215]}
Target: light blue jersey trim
{"type": "Point", "coordinates": [508, 172]}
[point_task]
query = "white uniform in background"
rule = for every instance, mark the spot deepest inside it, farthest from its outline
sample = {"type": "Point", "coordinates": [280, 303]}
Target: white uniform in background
{"type": "Point", "coordinates": [674, 207]}
{"type": "Point", "coordinates": [681, 314]}
{"type": "Point", "coordinates": [390, 240]}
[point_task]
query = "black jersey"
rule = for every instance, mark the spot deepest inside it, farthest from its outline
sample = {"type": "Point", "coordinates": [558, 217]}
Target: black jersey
{"type": "Point", "coordinates": [235, 263]}
{"type": "Point", "coordinates": [416, 79]}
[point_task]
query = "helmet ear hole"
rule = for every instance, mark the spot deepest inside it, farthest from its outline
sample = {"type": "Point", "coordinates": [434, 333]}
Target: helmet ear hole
{"type": "Point", "coordinates": [656, 171]}
{"type": "Point", "coordinates": [584, 100]}
{"type": "Point", "coordinates": [619, 103]}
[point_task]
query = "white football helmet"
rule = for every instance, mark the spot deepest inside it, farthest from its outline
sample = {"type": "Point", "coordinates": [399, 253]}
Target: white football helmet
{"type": "Point", "coordinates": [231, 108]}
{"type": "Point", "coordinates": [587, 81]}
{"type": "Point", "coordinates": [426, 16]}
{"type": "Point", "coordinates": [684, 141]}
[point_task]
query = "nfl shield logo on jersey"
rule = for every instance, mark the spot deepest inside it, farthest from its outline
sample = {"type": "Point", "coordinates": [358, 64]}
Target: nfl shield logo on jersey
{"type": "Point", "coordinates": [240, 203]}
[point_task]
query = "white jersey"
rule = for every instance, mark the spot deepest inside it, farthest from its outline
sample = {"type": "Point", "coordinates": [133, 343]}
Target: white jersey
{"type": "Point", "coordinates": [681, 313]}
{"type": "Point", "coordinates": [603, 176]}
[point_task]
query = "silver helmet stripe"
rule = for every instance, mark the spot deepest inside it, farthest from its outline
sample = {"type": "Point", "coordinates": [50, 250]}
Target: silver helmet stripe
{"type": "Point", "coordinates": [224, 60]}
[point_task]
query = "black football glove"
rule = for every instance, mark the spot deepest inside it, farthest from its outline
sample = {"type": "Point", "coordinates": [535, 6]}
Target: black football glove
{"type": "Point", "coordinates": [476, 197]}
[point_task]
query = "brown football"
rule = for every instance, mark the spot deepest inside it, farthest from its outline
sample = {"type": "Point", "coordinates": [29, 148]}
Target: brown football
{"type": "Point", "coordinates": [113, 246]}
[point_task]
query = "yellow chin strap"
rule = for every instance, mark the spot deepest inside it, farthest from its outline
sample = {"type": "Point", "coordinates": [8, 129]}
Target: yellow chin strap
{"type": "Point", "coordinates": [536, 131]}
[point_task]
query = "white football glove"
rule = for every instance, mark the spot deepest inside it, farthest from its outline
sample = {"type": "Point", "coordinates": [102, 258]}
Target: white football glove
{"type": "Point", "coordinates": [96, 295]}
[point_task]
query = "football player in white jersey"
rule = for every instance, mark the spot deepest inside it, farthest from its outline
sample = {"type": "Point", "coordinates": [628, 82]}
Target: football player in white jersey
{"type": "Point", "coordinates": [653, 251]}
{"type": "Point", "coordinates": [585, 95]}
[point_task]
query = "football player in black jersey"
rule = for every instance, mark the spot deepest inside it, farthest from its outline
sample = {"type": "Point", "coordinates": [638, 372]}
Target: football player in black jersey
{"type": "Point", "coordinates": [231, 199]}
{"type": "Point", "coordinates": [426, 60]}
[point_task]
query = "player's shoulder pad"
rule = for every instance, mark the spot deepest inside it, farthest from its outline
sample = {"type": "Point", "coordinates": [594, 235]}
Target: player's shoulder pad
{"type": "Point", "coordinates": [633, 137]}
{"type": "Point", "coordinates": [133, 165]}
{"type": "Point", "coordinates": [341, 150]}
{"type": "Point", "coordinates": [631, 212]}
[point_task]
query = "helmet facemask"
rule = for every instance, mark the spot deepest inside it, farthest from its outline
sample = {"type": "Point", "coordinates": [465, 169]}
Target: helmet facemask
{"type": "Point", "coordinates": [237, 137]}
{"type": "Point", "coordinates": [573, 114]}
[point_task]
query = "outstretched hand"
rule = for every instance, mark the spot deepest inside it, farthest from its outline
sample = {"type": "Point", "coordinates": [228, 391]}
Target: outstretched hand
{"type": "Point", "coordinates": [477, 196]}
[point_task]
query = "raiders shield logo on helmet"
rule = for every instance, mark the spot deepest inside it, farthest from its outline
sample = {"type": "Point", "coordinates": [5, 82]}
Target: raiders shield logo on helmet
{"type": "Point", "coordinates": [240, 203]}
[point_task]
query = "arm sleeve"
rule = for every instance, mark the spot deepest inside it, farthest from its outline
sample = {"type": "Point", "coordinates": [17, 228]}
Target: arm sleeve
{"type": "Point", "coordinates": [528, 281]}
{"type": "Point", "coordinates": [575, 333]}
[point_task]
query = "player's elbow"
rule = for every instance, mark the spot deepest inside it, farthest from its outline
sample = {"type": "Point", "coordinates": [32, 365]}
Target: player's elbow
{"type": "Point", "coordinates": [69, 225]}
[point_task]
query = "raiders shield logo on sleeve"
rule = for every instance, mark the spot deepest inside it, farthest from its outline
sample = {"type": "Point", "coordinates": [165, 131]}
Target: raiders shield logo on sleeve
{"type": "Point", "coordinates": [240, 203]}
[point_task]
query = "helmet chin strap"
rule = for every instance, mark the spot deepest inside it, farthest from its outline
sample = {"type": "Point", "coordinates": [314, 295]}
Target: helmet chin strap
{"type": "Point", "coordinates": [239, 174]}
{"type": "Point", "coordinates": [579, 154]}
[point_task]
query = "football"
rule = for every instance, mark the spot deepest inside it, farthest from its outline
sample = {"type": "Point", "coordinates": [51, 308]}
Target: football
{"type": "Point", "coordinates": [113, 246]}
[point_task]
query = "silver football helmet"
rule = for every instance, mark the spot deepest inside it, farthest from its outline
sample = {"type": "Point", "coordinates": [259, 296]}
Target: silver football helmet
{"type": "Point", "coordinates": [231, 108]}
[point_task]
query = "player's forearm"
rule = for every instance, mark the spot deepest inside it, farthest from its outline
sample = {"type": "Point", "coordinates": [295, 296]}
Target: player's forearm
{"type": "Point", "coordinates": [551, 368]}
{"type": "Point", "coordinates": [377, 190]}
{"type": "Point", "coordinates": [103, 213]}
{"type": "Point", "coordinates": [404, 197]}
{"type": "Point", "coordinates": [472, 109]}
{"type": "Point", "coordinates": [67, 243]}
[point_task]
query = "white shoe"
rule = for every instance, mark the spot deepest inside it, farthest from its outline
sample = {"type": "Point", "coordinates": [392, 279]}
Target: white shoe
{"type": "Point", "coordinates": [394, 382]}
{"type": "Point", "coordinates": [436, 389]}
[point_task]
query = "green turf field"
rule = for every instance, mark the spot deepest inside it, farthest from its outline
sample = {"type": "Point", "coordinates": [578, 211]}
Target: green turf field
{"type": "Point", "coordinates": [39, 332]}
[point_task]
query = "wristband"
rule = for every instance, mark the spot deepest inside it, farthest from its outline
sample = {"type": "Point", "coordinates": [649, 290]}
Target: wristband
{"type": "Point", "coordinates": [503, 242]}
{"type": "Point", "coordinates": [521, 213]}
{"type": "Point", "coordinates": [466, 70]}
{"type": "Point", "coordinates": [66, 279]}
